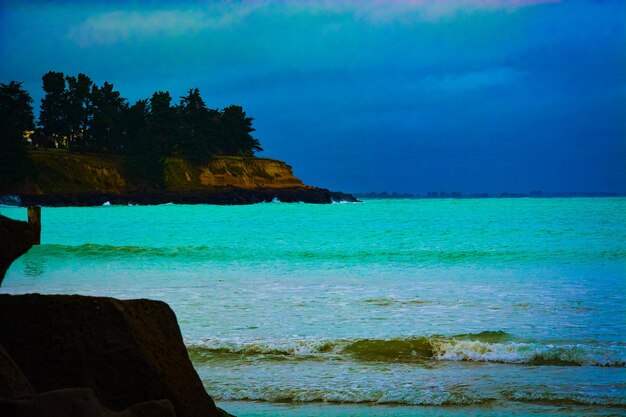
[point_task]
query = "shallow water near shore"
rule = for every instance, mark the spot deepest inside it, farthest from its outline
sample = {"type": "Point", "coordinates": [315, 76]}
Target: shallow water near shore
{"type": "Point", "coordinates": [389, 308]}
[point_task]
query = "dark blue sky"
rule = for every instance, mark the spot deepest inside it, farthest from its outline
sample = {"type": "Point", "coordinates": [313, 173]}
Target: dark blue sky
{"type": "Point", "coordinates": [455, 95]}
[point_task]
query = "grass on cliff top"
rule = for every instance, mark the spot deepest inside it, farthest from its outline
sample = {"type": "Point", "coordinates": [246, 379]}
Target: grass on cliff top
{"type": "Point", "coordinates": [62, 172]}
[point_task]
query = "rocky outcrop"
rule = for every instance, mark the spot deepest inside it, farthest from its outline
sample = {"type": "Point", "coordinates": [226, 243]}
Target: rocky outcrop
{"type": "Point", "coordinates": [62, 172]}
{"type": "Point", "coordinates": [68, 179]}
{"type": "Point", "coordinates": [15, 239]}
{"type": "Point", "coordinates": [13, 384]}
{"type": "Point", "coordinates": [221, 196]}
{"type": "Point", "coordinates": [125, 352]}
{"type": "Point", "coordinates": [19, 399]}
{"type": "Point", "coordinates": [78, 402]}
{"type": "Point", "coordinates": [249, 173]}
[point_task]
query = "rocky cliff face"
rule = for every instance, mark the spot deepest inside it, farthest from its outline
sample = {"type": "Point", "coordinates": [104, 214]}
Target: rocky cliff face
{"type": "Point", "coordinates": [68, 173]}
{"type": "Point", "coordinates": [180, 175]}
{"type": "Point", "coordinates": [67, 179]}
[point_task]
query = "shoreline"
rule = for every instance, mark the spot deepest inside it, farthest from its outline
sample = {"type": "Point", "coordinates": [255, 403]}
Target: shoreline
{"type": "Point", "coordinates": [224, 196]}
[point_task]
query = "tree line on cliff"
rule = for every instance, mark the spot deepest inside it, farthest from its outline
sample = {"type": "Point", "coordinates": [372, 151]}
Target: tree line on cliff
{"type": "Point", "coordinates": [80, 116]}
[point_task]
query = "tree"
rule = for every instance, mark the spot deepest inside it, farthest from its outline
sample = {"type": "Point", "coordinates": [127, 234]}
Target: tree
{"type": "Point", "coordinates": [106, 132]}
{"type": "Point", "coordinates": [144, 160]}
{"type": "Point", "coordinates": [79, 110]}
{"type": "Point", "coordinates": [53, 118]}
{"type": "Point", "coordinates": [198, 129]}
{"type": "Point", "coordinates": [16, 117]}
{"type": "Point", "coordinates": [235, 133]}
{"type": "Point", "coordinates": [77, 113]}
{"type": "Point", "coordinates": [164, 121]}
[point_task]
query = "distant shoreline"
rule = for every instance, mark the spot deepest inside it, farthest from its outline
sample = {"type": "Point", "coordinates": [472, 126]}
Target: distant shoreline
{"type": "Point", "coordinates": [456, 195]}
{"type": "Point", "coordinates": [223, 196]}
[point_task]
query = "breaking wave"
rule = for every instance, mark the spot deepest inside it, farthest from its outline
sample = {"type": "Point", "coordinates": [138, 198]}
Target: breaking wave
{"type": "Point", "coordinates": [427, 396]}
{"type": "Point", "coordinates": [278, 393]}
{"type": "Point", "coordinates": [422, 257]}
{"type": "Point", "coordinates": [565, 398]}
{"type": "Point", "coordinates": [424, 396]}
{"type": "Point", "coordinates": [489, 346]}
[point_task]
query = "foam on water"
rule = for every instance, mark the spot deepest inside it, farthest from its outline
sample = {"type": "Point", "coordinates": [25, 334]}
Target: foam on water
{"type": "Point", "coordinates": [481, 347]}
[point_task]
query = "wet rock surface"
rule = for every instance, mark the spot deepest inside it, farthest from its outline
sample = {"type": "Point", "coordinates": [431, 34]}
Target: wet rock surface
{"type": "Point", "coordinates": [98, 354]}
{"type": "Point", "coordinates": [15, 239]}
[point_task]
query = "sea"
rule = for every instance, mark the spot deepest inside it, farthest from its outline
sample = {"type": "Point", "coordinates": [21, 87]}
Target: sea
{"type": "Point", "coordinates": [416, 307]}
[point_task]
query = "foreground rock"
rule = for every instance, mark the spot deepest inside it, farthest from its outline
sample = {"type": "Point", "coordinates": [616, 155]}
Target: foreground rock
{"type": "Point", "coordinates": [119, 353]}
{"type": "Point", "coordinates": [19, 399]}
{"type": "Point", "coordinates": [78, 402]}
{"type": "Point", "coordinates": [15, 239]}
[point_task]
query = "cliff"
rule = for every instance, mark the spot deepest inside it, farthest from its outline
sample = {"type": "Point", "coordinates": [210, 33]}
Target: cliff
{"type": "Point", "coordinates": [73, 179]}
{"type": "Point", "coordinates": [61, 172]}
{"type": "Point", "coordinates": [227, 171]}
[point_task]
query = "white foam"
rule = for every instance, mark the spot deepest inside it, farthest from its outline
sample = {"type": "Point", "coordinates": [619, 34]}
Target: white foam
{"type": "Point", "coordinates": [444, 349]}
{"type": "Point", "coordinates": [512, 352]}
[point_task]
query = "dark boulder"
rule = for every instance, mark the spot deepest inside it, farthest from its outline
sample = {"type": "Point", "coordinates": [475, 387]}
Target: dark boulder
{"type": "Point", "coordinates": [126, 352]}
{"type": "Point", "coordinates": [78, 402]}
{"type": "Point", "coordinates": [16, 238]}
{"type": "Point", "coordinates": [13, 383]}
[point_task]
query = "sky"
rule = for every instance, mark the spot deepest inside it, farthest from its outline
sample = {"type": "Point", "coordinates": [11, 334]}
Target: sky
{"type": "Point", "coordinates": [371, 95]}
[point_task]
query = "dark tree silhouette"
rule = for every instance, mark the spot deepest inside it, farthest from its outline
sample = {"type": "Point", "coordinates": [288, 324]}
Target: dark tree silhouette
{"type": "Point", "coordinates": [235, 133]}
{"type": "Point", "coordinates": [79, 110]}
{"type": "Point", "coordinates": [53, 115]}
{"type": "Point", "coordinates": [144, 160]}
{"type": "Point", "coordinates": [107, 125]}
{"type": "Point", "coordinates": [16, 117]}
{"type": "Point", "coordinates": [164, 121]}
{"type": "Point", "coordinates": [198, 128]}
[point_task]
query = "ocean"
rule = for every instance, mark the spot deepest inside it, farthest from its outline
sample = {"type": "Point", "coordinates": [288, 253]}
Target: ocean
{"type": "Point", "coordinates": [443, 307]}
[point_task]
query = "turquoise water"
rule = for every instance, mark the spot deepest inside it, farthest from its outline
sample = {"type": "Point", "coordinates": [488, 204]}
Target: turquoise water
{"type": "Point", "coordinates": [390, 307]}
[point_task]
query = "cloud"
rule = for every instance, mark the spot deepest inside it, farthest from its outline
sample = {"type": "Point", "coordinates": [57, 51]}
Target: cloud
{"type": "Point", "coordinates": [121, 25]}
{"type": "Point", "coordinates": [385, 11]}
{"type": "Point", "coordinates": [129, 25]}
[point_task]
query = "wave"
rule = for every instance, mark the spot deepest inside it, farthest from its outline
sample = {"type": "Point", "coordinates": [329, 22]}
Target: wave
{"type": "Point", "coordinates": [111, 251]}
{"type": "Point", "coordinates": [278, 393]}
{"type": "Point", "coordinates": [564, 398]}
{"type": "Point", "coordinates": [421, 257]}
{"type": "Point", "coordinates": [428, 396]}
{"type": "Point", "coordinates": [383, 302]}
{"type": "Point", "coordinates": [489, 346]}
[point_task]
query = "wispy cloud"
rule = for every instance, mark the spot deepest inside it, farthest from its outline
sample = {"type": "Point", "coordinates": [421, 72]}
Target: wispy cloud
{"type": "Point", "coordinates": [382, 11]}
{"type": "Point", "coordinates": [123, 25]}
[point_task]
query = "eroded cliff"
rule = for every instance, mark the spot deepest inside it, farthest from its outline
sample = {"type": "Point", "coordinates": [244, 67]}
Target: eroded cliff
{"type": "Point", "coordinates": [69, 179]}
{"type": "Point", "coordinates": [229, 171]}
{"type": "Point", "coordinates": [60, 172]}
